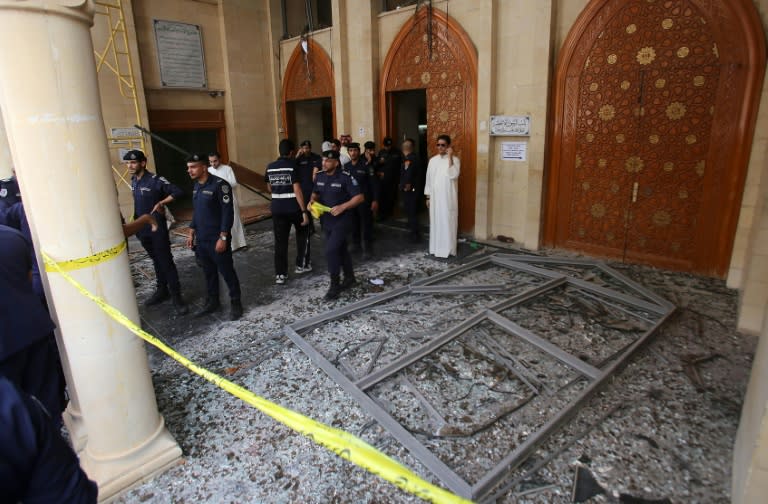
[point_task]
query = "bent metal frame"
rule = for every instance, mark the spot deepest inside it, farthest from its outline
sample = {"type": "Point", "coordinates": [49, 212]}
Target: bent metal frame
{"type": "Point", "coordinates": [553, 273]}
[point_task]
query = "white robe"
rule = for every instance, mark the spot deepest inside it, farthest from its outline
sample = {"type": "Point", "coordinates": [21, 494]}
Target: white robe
{"type": "Point", "coordinates": [443, 190]}
{"type": "Point", "coordinates": [238, 233]}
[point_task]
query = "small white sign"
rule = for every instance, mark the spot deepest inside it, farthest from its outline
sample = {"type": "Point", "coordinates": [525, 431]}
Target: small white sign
{"type": "Point", "coordinates": [361, 132]}
{"type": "Point", "coordinates": [124, 135]}
{"type": "Point", "coordinates": [514, 151]}
{"type": "Point", "coordinates": [511, 125]}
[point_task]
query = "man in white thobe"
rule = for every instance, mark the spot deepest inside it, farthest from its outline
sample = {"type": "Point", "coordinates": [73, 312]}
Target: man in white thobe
{"type": "Point", "coordinates": [442, 196]}
{"type": "Point", "coordinates": [226, 172]}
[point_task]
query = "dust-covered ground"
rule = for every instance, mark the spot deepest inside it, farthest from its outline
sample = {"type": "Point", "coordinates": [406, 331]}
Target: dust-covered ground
{"type": "Point", "coordinates": [664, 427]}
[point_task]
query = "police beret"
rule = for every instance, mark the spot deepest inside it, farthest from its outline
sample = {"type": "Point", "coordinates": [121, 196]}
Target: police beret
{"type": "Point", "coordinates": [331, 154]}
{"type": "Point", "coordinates": [197, 158]}
{"type": "Point", "coordinates": [387, 141]}
{"type": "Point", "coordinates": [134, 155]}
{"type": "Point", "coordinates": [353, 145]}
{"type": "Point", "coordinates": [369, 145]}
{"type": "Point", "coordinates": [305, 143]}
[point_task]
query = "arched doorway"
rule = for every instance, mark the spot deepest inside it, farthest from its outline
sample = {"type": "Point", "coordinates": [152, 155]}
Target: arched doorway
{"type": "Point", "coordinates": [308, 94]}
{"type": "Point", "coordinates": [654, 113]}
{"type": "Point", "coordinates": [449, 79]}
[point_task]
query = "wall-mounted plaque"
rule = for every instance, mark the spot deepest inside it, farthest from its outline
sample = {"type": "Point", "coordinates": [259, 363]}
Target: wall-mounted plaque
{"type": "Point", "coordinates": [511, 125]}
{"type": "Point", "coordinates": [514, 151]}
{"type": "Point", "coordinates": [180, 54]}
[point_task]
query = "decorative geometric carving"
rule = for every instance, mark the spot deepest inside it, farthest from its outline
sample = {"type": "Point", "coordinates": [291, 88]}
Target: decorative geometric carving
{"type": "Point", "coordinates": [450, 79]}
{"type": "Point", "coordinates": [655, 89]}
{"type": "Point", "coordinates": [309, 76]}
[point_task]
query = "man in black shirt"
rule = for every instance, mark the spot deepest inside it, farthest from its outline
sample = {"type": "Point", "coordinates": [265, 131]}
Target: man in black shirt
{"type": "Point", "coordinates": [288, 209]}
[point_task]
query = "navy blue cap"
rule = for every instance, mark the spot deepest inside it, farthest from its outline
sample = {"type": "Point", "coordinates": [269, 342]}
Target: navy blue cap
{"type": "Point", "coordinates": [331, 154]}
{"type": "Point", "coordinates": [134, 155]}
{"type": "Point", "coordinates": [353, 145]}
{"type": "Point", "coordinates": [369, 145]}
{"type": "Point", "coordinates": [197, 158]}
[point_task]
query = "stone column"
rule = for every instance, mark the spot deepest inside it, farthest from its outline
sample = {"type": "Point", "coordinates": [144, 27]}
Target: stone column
{"type": "Point", "coordinates": [49, 98]}
{"type": "Point", "coordinates": [6, 164]}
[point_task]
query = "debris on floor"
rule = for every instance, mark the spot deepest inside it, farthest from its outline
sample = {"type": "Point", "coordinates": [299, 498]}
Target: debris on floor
{"type": "Point", "coordinates": [653, 431]}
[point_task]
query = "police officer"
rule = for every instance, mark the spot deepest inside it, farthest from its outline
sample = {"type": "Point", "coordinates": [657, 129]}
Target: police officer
{"type": "Point", "coordinates": [209, 235]}
{"type": "Point", "coordinates": [410, 176]}
{"type": "Point", "coordinates": [288, 209]}
{"type": "Point", "coordinates": [339, 191]}
{"type": "Point", "coordinates": [150, 195]}
{"type": "Point", "coordinates": [307, 164]}
{"type": "Point", "coordinates": [9, 192]}
{"type": "Point", "coordinates": [388, 162]}
{"type": "Point", "coordinates": [362, 222]}
{"type": "Point", "coordinates": [36, 464]}
{"type": "Point", "coordinates": [28, 354]}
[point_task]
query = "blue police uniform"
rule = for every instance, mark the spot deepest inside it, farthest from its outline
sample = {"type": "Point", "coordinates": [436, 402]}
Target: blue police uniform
{"type": "Point", "coordinates": [147, 192]}
{"type": "Point", "coordinates": [214, 214]}
{"type": "Point", "coordinates": [28, 353]}
{"type": "Point", "coordinates": [281, 175]}
{"type": "Point", "coordinates": [334, 190]}
{"type": "Point", "coordinates": [410, 176]}
{"type": "Point", "coordinates": [306, 166]}
{"type": "Point", "coordinates": [363, 172]}
{"type": "Point", "coordinates": [9, 192]}
{"type": "Point", "coordinates": [36, 464]}
{"type": "Point", "coordinates": [15, 217]}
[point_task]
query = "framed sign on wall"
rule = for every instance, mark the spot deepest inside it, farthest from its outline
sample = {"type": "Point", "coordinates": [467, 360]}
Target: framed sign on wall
{"type": "Point", "coordinates": [180, 55]}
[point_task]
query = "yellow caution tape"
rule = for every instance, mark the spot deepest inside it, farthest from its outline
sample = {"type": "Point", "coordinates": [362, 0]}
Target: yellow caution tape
{"type": "Point", "coordinates": [342, 443]}
{"type": "Point", "coordinates": [85, 262]}
{"type": "Point", "coordinates": [317, 209]}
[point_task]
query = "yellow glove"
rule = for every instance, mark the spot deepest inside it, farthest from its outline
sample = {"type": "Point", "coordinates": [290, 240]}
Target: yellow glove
{"type": "Point", "coordinates": [316, 209]}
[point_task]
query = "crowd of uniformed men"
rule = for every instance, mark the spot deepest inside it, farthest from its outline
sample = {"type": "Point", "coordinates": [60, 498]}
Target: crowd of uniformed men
{"type": "Point", "coordinates": [347, 189]}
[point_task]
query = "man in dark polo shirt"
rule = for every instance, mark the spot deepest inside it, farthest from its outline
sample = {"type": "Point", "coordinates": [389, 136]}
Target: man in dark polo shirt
{"type": "Point", "coordinates": [288, 209]}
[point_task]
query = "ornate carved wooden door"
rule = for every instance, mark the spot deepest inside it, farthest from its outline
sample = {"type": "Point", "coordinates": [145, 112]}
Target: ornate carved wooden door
{"type": "Point", "coordinates": [651, 102]}
{"type": "Point", "coordinates": [450, 80]}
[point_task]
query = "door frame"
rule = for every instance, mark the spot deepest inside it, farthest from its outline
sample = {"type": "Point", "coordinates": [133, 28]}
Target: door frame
{"type": "Point", "coordinates": [297, 87]}
{"type": "Point", "coordinates": [181, 120]}
{"type": "Point", "coordinates": [469, 54]}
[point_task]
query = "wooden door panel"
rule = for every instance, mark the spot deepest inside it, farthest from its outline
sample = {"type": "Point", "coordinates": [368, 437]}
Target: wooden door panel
{"type": "Point", "coordinates": [653, 114]}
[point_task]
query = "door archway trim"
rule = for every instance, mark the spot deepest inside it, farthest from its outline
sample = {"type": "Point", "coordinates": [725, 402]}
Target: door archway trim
{"type": "Point", "coordinates": [308, 81]}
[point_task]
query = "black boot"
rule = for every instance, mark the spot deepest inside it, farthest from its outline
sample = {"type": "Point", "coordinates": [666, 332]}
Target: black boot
{"type": "Point", "coordinates": [334, 290]}
{"type": "Point", "coordinates": [211, 305]}
{"type": "Point", "coordinates": [235, 310]}
{"type": "Point", "coordinates": [179, 304]}
{"type": "Point", "coordinates": [349, 281]}
{"type": "Point", "coordinates": [160, 295]}
{"type": "Point", "coordinates": [367, 252]}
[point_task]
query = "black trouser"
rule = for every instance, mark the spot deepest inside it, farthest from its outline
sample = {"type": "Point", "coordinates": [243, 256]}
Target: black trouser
{"type": "Point", "coordinates": [214, 263]}
{"type": "Point", "coordinates": [362, 224]}
{"type": "Point", "coordinates": [336, 253]}
{"type": "Point", "coordinates": [388, 196]}
{"type": "Point", "coordinates": [411, 206]}
{"type": "Point", "coordinates": [158, 246]}
{"type": "Point", "coordinates": [281, 224]}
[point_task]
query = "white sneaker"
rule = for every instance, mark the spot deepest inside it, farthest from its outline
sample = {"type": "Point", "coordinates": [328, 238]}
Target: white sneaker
{"type": "Point", "coordinates": [304, 269]}
{"type": "Point", "coordinates": [280, 279]}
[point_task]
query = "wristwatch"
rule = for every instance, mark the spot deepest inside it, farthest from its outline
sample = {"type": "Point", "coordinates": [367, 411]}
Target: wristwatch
{"type": "Point", "coordinates": [223, 238]}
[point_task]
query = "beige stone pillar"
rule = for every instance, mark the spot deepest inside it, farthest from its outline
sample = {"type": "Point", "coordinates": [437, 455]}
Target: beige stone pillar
{"type": "Point", "coordinates": [6, 164]}
{"type": "Point", "coordinates": [50, 102]}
